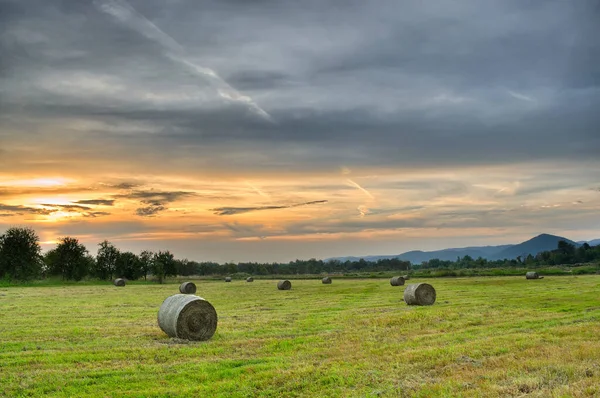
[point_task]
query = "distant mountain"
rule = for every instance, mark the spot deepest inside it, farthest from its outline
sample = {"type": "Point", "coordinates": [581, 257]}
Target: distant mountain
{"type": "Point", "coordinates": [593, 242]}
{"type": "Point", "coordinates": [532, 246]}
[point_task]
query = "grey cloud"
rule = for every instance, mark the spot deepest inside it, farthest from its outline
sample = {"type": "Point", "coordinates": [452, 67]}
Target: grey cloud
{"type": "Point", "coordinates": [156, 196]}
{"type": "Point", "coordinates": [228, 211]}
{"type": "Point", "coordinates": [11, 210]}
{"type": "Point", "coordinates": [156, 200]}
{"type": "Point", "coordinates": [67, 207]}
{"type": "Point", "coordinates": [150, 211]}
{"type": "Point", "coordinates": [392, 84]}
{"type": "Point", "coordinates": [95, 214]}
{"type": "Point", "coordinates": [84, 211]}
{"type": "Point", "coordinates": [100, 202]}
{"type": "Point", "coordinates": [17, 210]}
{"type": "Point", "coordinates": [122, 185]}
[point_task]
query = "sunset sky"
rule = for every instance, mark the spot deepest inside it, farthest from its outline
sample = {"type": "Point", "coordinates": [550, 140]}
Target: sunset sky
{"type": "Point", "coordinates": [238, 130]}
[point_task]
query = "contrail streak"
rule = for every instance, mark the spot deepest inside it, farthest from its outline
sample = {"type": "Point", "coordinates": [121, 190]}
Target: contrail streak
{"type": "Point", "coordinates": [355, 185]}
{"type": "Point", "coordinates": [123, 12]}
{"type": "Point", "coordinates": [258, 191]}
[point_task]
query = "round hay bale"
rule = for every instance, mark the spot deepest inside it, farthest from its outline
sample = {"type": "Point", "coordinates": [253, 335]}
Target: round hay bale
{"type": "Point", "coordinates": [326, 280]}
{"type": "Point", "coordinates": [187, 288]}
{"type": "Point", "coordinates": [406, 277]}
{"type": "Point", "coordinates": [532, 275]}
{"type": "Point", "coordinates": [228, 279]}
{"type": "Point", "coordinates": [249, 279]}
{"type": "Point", "coordinates": [188, 317]}
{"type": "Point", "coordinates": [419, 294]}
{"type": "Point", "coordinates": [119, 282]}
{"type": "Point", "coordinates": [397, 281]}
{"type": "Point", "coordinates": [284, 285]}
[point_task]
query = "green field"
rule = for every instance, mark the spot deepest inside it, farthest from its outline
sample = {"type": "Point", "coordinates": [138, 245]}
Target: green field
{"type": "Point", "coordinates": [487, 337]}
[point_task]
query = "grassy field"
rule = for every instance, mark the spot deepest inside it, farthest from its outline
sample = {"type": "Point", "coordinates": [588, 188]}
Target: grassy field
{"type": "Point", "coordinates": [484, 337]}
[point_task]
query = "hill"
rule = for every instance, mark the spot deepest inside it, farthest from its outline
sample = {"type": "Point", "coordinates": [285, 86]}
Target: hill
{"type": "Point", "coordinates": [532, 246]}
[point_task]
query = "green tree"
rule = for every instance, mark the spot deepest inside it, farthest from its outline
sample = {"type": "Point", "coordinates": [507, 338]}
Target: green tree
{"type": "Point", "coordinates": [163, 265]}
{"type": "Point", "coordinates": [106, 261]}
{"type": "Point", "coordinates": [69, 259]}
{"type": "Point", "coordinates": [146, 258]}
{"type": "Point", "coordinates": [20, 254]}
{"type": "Point", "coordinates": [128, 266]}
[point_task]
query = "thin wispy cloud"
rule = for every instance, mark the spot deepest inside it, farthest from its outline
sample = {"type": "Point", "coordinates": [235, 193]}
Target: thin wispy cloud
{"type": "Point", "coordinates": [521, 97]}
{"type": "Point", "coordinates": [123, 12]}
{"type": "Point", "coordinates": [257, 190]}
{"type": "Point", "coordinates": [228, 211]}
{"type": "Point", "coordinates": [96, 202]}
{"type": "Point", "coordinates": [357, 186]}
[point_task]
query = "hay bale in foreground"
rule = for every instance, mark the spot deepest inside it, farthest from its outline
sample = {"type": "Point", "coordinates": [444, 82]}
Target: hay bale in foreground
{"type": "Point", "coordinates": [228, 279]}
{"type": "Point", "coordinates": [326, 280]}
{"type": "Point", "coordinates": [249, 279]}
{"type": "Point", "coordinates": [533, 275]}
{"type": "Point", "coordinates": [397, 281]}
{"type": "Point", "coordinates": [119, 282]}
{"type": "Point", "coordinates": [419, 294]}
{"type": "Point", "coordinates": [187, 288]}
{"type": "Point", "coordinates": [284, 285]}
{"type": "Point", "coordinates": [189, 317]}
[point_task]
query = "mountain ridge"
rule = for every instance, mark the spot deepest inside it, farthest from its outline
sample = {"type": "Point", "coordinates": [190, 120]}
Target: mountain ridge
{"type": "Point", "coordinates": [533, 246]}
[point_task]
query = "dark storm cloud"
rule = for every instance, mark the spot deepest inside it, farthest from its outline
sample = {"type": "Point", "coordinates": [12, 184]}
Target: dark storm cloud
{"type": "Point", "coordinates": [228, 211]}
{"type": "Point", "coordinates": [361, 83]}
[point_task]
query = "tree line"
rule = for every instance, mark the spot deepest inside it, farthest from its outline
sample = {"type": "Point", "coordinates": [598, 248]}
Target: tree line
{"type": "Point", "coordinates": [565, 254]}
{"type": "Point", "coordinates": [21, 259]}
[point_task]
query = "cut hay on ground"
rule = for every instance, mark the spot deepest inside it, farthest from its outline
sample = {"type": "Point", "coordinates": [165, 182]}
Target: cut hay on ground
{"type": "Point", "coordinates": [187, 288]}
{"type": "Point", "coordinates": [533, 275]}
{"type": "Point", "coordinates": [188, 317]}
{"type": "Point", "coordinates": [419, 294]}
{"type": "Point", "coordinates": [397, 281]}
{"type": "Point", "coordinates": [119, 282]}
{"type": "Point", "coordinates": [326, 280]}
{"type": "Point", "coordinates": [284, 285]}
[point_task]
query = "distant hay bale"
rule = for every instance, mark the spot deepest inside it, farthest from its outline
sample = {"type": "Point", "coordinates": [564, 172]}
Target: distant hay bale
{"type": "Point", "coordinates": [187, 288]}
{"type": "Point", "coordinates": [284, 285]}
{"type": "Point", "coordinates": [419, 294]}
{"type": "Point", "coordinates": [249, 279]}
{"type": "Point", "coordinates": [397, 281]}
{"type": "Point", "coordinates": [326, 280]}
{"type": "Point", "coordinates": [533, 275]}
{"type": "Point", "coordinates": [406, 277]}
{"type": "Point", "coordinates": [119, 282]}
{"type": "Point", "coordinates": [228, 279]}
{"type": "Point", "coordinates": [189, 317]}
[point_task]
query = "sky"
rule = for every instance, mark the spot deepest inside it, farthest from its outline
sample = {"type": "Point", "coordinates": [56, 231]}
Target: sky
{"type": "Point", "coordinates": [271, 130]}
